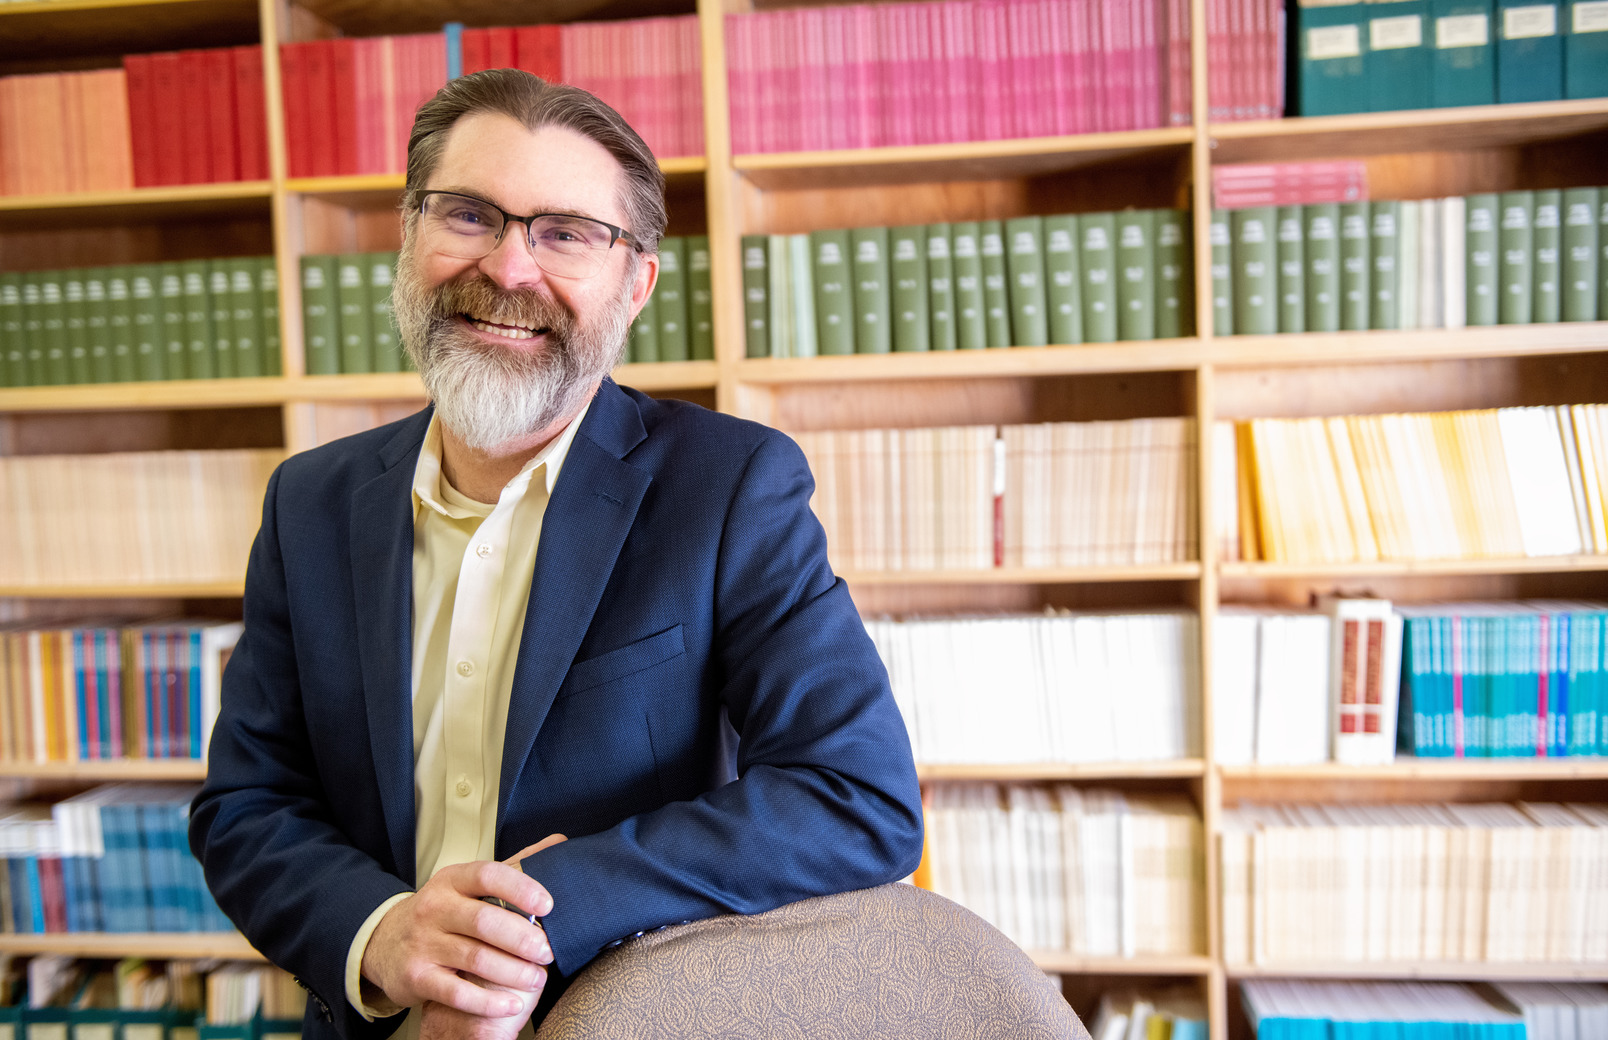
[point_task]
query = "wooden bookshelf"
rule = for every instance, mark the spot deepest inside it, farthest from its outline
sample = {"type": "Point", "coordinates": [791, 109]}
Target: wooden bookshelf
{"type": "Point", "coordinates": [1185, 768]}
{"type": "Point", "coordinates": [1069, 964]}
{"type": "Point", "coordinates": [108, 770]}
{"type": "Point", "coordinates": [105, 29]}
{"type": "Point", "coordinates": [1412, 568]}
{"type": "Point", "coordinates": [1468, 971]}
{"type": "Point", "coordinates": [157, 945]}
{"type": "Point", "coordinates": [1027, 576]}
{"type": "Point", "coordinates": [151, 590]}
{"type": "Point", "coordinates": [1468, 769]}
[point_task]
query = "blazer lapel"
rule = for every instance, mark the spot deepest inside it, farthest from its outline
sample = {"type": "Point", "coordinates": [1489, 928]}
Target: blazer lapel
{"type": "Point", "coordinates": [588, 518]}
{"type": "Point", "coordinates": [381, 539]}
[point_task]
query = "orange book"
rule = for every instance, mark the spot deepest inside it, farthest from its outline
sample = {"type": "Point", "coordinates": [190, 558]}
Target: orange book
{"type": "Point", "coordinates": [74, 133]}
{"type": "Point", "coordinates": [116, 140]}
{"type": "Point", "coordinates": [47, 139]}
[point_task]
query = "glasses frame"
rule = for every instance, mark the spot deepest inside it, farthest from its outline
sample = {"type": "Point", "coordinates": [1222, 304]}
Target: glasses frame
{"type": "Point", "coordinates": [617, 234]}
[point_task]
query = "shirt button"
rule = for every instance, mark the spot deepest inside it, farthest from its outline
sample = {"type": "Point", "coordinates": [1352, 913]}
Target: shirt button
{"type": "Point", "coordinates": [466, 668]}
{"type": "Point", "coordinates": [483, 550]}
{"type": "Point", "coordinates": [463, 789]}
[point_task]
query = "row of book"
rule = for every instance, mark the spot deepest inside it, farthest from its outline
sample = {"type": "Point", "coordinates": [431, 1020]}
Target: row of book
{"type": "Point", "coordinates": [347, 325]}
{"type": "Point", "coordinates": [190, 319]}
{"type": "Point", "coordinates": [115, 858]}
{"type": "Point", "coordinates": [1176, 1013]}
{"type": "Point", "coordinates": [197, 116]}
{"type": "Point", "coordinates": [1357, 57]}
{"type": "Point", "coordinates": [1514, 258]}
{"type": "Point", "coordinates": [867, 76]}
{"type": "Point", "coordinates": [135, 518]}
{"type": "Point", "coordinates": [1040, 495]}
{"type": "Point", "coordinates": [1059, 688]}
{"type": "Point", "coordinates": [1242, 185]}
{"type": "Point", "coordinates": [1244, 73]}
{"type": "Point", "coordinates": [677, 323]}
{"type": "Point", "coordinates": [100, 692]}
{"type": "Point", "coordinates": [1506, 482]}
{"type": "Point", "coordinates": [64, 132]}
{"type": "Point", "coordinates": [1491, 883]}
{"type": "Point", "coordinates": [1283, 1009]}
{"type": "Point", "coordinates": [1026, 282]}
{"type": "Point", "coordinates": [1094, 872]}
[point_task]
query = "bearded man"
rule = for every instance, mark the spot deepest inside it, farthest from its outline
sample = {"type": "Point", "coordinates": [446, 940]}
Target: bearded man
{"type": "Point", "coordinates": [547, 606]}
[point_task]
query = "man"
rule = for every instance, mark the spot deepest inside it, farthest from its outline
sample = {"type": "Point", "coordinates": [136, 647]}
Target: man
{"type": "Point", "coordinates": [551, 607]}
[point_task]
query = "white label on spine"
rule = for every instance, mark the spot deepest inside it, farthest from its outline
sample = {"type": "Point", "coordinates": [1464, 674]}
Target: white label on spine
{"type": "Point", "coordinates": [1334, 41]}
{"type": "Point", "coordinates": [1390, 34]}
{"type": "Point", "coordinates": [1462, 30]}
{"type": "Point", "coordinates": [1524, 23]}
{"type": "Point", "coordinates": [1591, 16]}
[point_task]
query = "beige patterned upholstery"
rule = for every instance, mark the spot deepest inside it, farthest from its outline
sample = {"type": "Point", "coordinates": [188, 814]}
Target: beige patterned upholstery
{"type": "Point", "coordinates": [895, 962]}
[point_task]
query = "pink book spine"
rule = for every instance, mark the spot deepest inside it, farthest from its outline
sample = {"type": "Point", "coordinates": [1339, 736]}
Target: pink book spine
{"type": "Point", "coordinates": [812, 73]}
{"type": "Point", "coordinates": [692, 107]}
{"type": "Point", "coordinates": [1021, 71]}
{"type": "Point", "coordinates": [925, 82]}
{"type": "Point", "coordinates": [836, 74]}
{"type": "Point", "coordinates": [1183, 101]}
{"type": "Point", "coordinates": [990, 60]}
{"type": "Point", "coordinates": [868, 79]}
{"type": "Point", "coordinates": [1057, 62]}
{"type": "Point", "coordinates": [795, 102]}
{"type": "Point", "coordinates": [1149, 58]}
{"type": "Point", "coordinates": [739, 81]}
{"type": "Point", "coordinates": [1216, 60]}
{"type": "Point", "coordinates": [1085, 78]}
{"type": "Point", "coordinates": [893, 48]}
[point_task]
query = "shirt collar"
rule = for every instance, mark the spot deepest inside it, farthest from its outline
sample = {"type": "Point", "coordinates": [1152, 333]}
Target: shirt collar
{"type": "Point", "coordinates": [429, 483]}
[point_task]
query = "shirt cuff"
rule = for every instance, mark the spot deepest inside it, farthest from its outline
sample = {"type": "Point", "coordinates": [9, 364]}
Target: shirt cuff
{"type": "Point", "coordinates": [383, 1006]}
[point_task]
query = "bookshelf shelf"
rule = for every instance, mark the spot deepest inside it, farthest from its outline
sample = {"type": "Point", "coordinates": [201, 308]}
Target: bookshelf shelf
{"type": "Point", "coordinates": [71, 28]}
{"type": "Point", "coordinates": [1027, 576]}
{"type": "Point", "coordinates": [235, 198]}
{"type": "Point", "coordinates": [1414, 568]}
{"type": "Point", "coordinates": [1363, 348]}
{"type": "Point", "coordinates": [1186, 768]}
{"type": "Point", "coordinates": [1071, 963]}
{"type": "Point", "coordinates": [177, 393]}
{"type": "Point", "coordinates": [104, 771]}
{"type": "Point", "coordinates": [1429, 769]}
{"type": "Point", "coordinates": [216, 590]}
{"type": "Point", "coordinates": [1472, 971]}
{"type": "Point", "coordinates": [1423, 130]}
{"type": "Point", "coordinates": [969, 161]}
{"type": "Point", "coordinates": [226, 945]}
{"type": "Point", "coordinates": [1171, 355]}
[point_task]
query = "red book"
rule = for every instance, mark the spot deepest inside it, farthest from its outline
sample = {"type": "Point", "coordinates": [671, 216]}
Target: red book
{"type": "Point", "coordinates": [476, 50]}
{"type": "Point", "coordinates": [1148, 58]}
{"type": "Point", "coordinates": [195, 138]}
{"type": "Point", "coordinates": [367, 58]}
{"type": "Point", "coordinates": [501, 48]}
{"type": "Point", "coordinates": [320, 78]}
{"type": "Point", "coordinates": [111, 660]}
{"type": "Point", "coordinates": [8, 137]}
{"type": "Point", "coordinates": [298, 104]}
{"type": "Point", "coordinates": [52, 895]}
{"type": "Point", "coordinates": [251, 116]}
{"type": "Point", "coordinates": [221, 116]}
{"type": "Point", "coordinates": [538, 51]}
{"type": "Point", "coordinates": [692, 106]}
{"type": "Point", "coordinates": [343, 100]}
{"type": "Point", "coordinates": [392, 143]}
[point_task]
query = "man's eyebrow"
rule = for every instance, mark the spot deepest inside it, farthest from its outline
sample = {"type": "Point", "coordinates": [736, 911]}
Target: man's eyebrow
{"type": "Point", "coordinates": [557, 210]}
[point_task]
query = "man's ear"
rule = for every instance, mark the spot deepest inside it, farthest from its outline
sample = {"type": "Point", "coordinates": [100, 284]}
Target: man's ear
{"type": "Point", "coordinates": [647, 276]}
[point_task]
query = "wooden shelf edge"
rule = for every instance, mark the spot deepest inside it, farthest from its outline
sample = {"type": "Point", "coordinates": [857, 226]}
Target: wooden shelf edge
{"type": "Point", "coordinates": [1406, 119]}
{"type": "Point", "coordinates": [187, 945]}
{"type": "Point", "coordinates": [1183, 767]}
{"type": "Point", "coordinates": [12, 10]}
{"type": "Point", "coordinates": [213, 590]}
{"type": "Point", "coordinates": [1027, 576]}
{"type": "Point", "coordinates": [1435, 568]}
{"type": "Point", "coordinates": [1466, 970]}
{"type": "Point", "coordinates": [1133, 356]}
{"type": "Point", "coordinates": [1077, 964]}
{"type": "Point", "coordinates": [137, 196]}
{"type": "Point", "coordinates": [965, 151]}
{"type": "Point", "coordinates": [1430, 769]}
{"type": "Point", "coordinates": [1345, 348]}
{"type": "Point", "coordinates": [109, 769]}
{"type": "Point", "coordinates": [175, 393]}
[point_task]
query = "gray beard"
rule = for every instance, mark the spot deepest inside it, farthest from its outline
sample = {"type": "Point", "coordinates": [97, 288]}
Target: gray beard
{"type": "Point", "coordinates": [490, 398]}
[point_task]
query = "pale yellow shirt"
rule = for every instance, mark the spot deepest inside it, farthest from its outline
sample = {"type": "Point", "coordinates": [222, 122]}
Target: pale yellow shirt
{"type": "Point", "coordinates": [472, 569]}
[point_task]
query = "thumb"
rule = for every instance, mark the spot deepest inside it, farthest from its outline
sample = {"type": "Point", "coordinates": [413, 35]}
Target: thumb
{"type": "Point", "coordinates": [531, 850]}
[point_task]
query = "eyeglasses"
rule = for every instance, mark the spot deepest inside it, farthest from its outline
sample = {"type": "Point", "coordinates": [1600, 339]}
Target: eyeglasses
{"type": "Point", "coordinates": [564, 245]}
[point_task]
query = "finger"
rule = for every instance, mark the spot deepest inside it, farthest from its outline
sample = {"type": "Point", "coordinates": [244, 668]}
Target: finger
{"type": "Point", "coordinates": [531, 850]}
{"type": "Point", "coordinates": [446, 987]}
{"type": "Point", "coordinates": [497, 966]}
{"type": "Point", "coordinates": [485, 878]}
{"type": "Point", "coordinates": [489, 925]}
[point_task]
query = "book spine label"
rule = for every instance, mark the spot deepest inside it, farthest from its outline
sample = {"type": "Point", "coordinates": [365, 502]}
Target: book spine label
{"type": "Point", "coordinates": [700, 299]}
{"type": "Point", "coordinates": [996, 294]}
{"type": "Point", "coordinates": [220, 301]}
{"type": "Point", "coordinates": [1579, 255]}
{"type": "Point", "coordinates": [75, 319]}
{"type": "Point", "coordinates": [53, 327]}
{"type": "Point", "coordinates": [245, 321]}
{"type": "Point", "coordinates": [145, 306]}
{"type": "Point", "coordinates": [320, 319]}
{"type": "Point", "coordinates": [671, 291]}
{"type": "Point", "coordinates": [1355, 291]}
{"type": "Point", "coordinates": [1063, 289]}
{"type": "Point", "coordinates": [1292, 269]}
{"type": "Point", "coordinates": [1322, 266]}
{"type": "Point", "coordinates": [940, 287]}
{"type": "Point", "coordinates": [1024, 265]}
{"type": "Point", "coordinates": [1222, 247]}
{"type": "Point", "coordinates": [1255, 271]}
{"type": "Point", "coordinates": [756, 296]}
{"type": "Point", "coordinates": [1463, 65]}
{"type": "Point", "coordinates": [1546, 301]}
{"type": "Point", "coordinates": [379, 270]}
{"type": "Point", "coordinates": [1175, 284]}
{"type": "Point", "coordinates": [351, 302]}
{"type": "Point", "coordinates": [971, 329]}
{"type": "Point", "coordinates": [907, 272]}
{"type": "Point", "coordinates": [1480, 268]}
{"type": "Point", "coordinates": [97, 322]}
{"type": "Point", "coordinates": [1136, 274]}
{"type": "Point", "coordinates": [834, 291]}
{"type": "Point", "coordinates": [873, 304]}
{"type": "Point", "coordinates": [13, 345]}
{"type": "Point", "coordinates": [33, 327]}
{"type": "Point", "coordinates": [1516, 256]}
{"type": "Point", "coordinates": [1384, 250]}
{"type": "Point", "coordinates": [199, 359]}
{"type": "Point", "coordinates": [1097, 262]}
{"type": "Point", "coordinates": [268, 307]}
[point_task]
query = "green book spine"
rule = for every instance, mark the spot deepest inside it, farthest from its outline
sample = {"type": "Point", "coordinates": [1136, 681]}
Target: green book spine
{"type": "Point", "coordinates": [996, 293]}
{"type": "Point", "coordinates": [1097, 263]}
{"type": "Point", "coordinates": [779, 294]}
{"type": "Point", "coordinates": [1024, 267]}
{"type": "Point", "coordinates": [379, 270]}
{"type": "Point", "coordinates": [1175, 287]}
{"type": "Point", "coordinates": [352, 304]}
{"type": "Point", "coordinates": [907, 272]}
{"type": "Point", "coordinates": [1480, 268]}
{"type": "Point", "coordinates": [1222, 245]}
{"type": "Point", "coordinates": [33, 327]}
{"type": "Point", "coordinates": [700, 301]}
{"type": "Point", "coordinates": [1136, 274]}
{"type": "Point", "coordinates": [320, 319]}
{"type": "Point", "coordinates": [220, 298]}
{"type": "Point", "coordinates": [97, 317]}
{"type": "Point", "coordinates": [1398, 61]}
{"type": "Point", "coordinates": [971, 326]}
{"type": "Point", "coordinates": [756, 296]}
{"type": "Point", "coordinates": [834, 292]}
{"type": "Point", "coordinates": [1546, 299]}
{"type": "Point", "coordinates": [1585, 50]}
{"type": "Point", "coordinates": [940, 288]}
{"type": "Point", "coordinates": [873, 304]}
{"type": "Point", "coordinates": [245, 322]}
{"type": "Point", "coordinates": [13, 344]}
{"type": "Point", "coordinates": [1529, 52]}
{"type": "Point", "coordinates": [145, 307]}
{"type": "Point", "coordinates": [75, 316]}
{"type": "Point", "coordinates": [1516, 257]}
{"type": "Point", "coordinates": [645, 332]}
{"type": "Point", "coordinates": [1292, 269]}
{"type": "Point", "coordinates": [268, 306]}
{"type": "Point", "coordinates": [1329, 45]}
{"type": "Point", "coordinates": [1063, 285]}
{"type": "Point", "coordinates": [1579, 255]}
{"type": "Point", "coordinates": [1463, 67]}
{"type": "Point", "coordinates": [53, 319]}
{"type": "Point", "coordinates": [671, 291]}
{"type": "Point", "coordinates": [200, 359]}
{"type": "Point", "coordinates": [1355, 295]}
{"type": "Point", "coordinates": [801, 288]}
{"type": "Point", "coordinates": [1256, 285]}
{"type": "Point", "coordinates": [1384, 250]}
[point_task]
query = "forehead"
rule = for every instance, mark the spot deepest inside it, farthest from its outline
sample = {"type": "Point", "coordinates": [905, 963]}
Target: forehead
{"type": "Point", "coordinates": [549, 170]}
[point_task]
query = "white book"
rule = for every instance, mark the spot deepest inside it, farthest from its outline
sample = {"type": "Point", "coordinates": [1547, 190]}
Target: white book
{"type": "Point", "coordinates": [1539, 477]}
{"type": "Point", "coordinates": [1234, 671]}
{"type": "Point", "coordinates": [1408, 230]}
{"type": "Point", "coordinates": [1454, 296]}
{"type": "Point", "coordinates": [1364, 679]}
{"type": "Point", "coordinates": [1431, 280]}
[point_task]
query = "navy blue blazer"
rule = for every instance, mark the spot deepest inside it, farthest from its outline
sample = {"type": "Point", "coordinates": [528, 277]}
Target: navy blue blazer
{"type": "Point", "coordinates": [696, 702]}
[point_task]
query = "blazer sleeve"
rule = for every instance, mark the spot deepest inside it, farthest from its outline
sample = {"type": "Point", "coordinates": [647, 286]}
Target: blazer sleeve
{"type": "Point", "coordinates": [826, 798]}
{"type": "Point", "coordinates": [279, 867]}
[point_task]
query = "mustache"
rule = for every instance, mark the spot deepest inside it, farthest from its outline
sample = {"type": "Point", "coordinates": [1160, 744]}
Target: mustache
{"type": "Point", "coordinates": [485, 298]}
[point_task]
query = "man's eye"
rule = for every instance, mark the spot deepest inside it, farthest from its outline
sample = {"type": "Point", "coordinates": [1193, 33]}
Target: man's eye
{"type": "Point", "coordinates": [467, 216]}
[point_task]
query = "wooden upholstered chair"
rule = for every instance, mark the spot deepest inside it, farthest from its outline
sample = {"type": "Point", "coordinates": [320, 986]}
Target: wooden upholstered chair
{"type": "Point", "coordinates": [895, 962]}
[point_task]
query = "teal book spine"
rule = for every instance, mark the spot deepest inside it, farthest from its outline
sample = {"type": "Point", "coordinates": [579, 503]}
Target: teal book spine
{"type": "Point", "coordinates": [145, 304]}
{"type": "Point", "coordinates": [220, 297]}
{"type": "Point", "coordinates": [971, 328]}
{"type": "Point", "coordinates": [1480, 267]}
{"type": "Point", "coordinates": [1578, 275]}
{"type": "Point", "coordinates": [1175, 282]}
{"type": "Point", "coordinates": [97, 323]}
{"type": "Point", "coordinates": [1398, 64]}
{"type": "Point", "coordinates": [873, 304]}
{"type": "Point", "coordinates": [1063, 284]}
{"type": "Point", "coordinates": [351, 303]}
{"type": "Point", "coordinates": [245, 322]}
{"type": "Point", "coordinates": [1516, 257]}
{"type": "Point", "coordinates": [75, 317]}
{"type": "Point", "coordinates": [996, 295]}
{"type": "Point", "coordinates": [1602, 280]}
{"type": "Point", "coordinates": [1546, 298]}
{"type": "Point", "coordinates": [644, 347]}
{"type": "Point", "coordinates": [1329, 46]}
{"type": "Point", "coordinates": [379, 270]}
{"type": "Point", "coordinates": [1097, 262]}
{"type": "Point", "coordinates": [1585, 50]}
{"type": "Point", "coordinates": [700, 301]}
{"type": "Point", "coordinates": [940, 288]}
{"type": "Point", "coordinates": [1136, 274]}
{"type": "Point", "coordinates": [1355, 291]}
{"type": "Point", "coordinates": [320, 318]}
{"type": "Point", "coordinates": [1222, 246]}
{"type": "Point", "coordinates": [1255, 252]}
{"type": "Point", "coordinates": [756, 296]}
{"type": "Point", "coordinates": [13, 345]}
{"type": "Point", "coordinates": [1463, 66]}
{"type": "Point", "coordinates": [671, 292]}
{"type": "Point", "coordinates": [1292, 269]}
{"type": "Point", "coordinates": [1529, 52]}
{"type": "Point", "coordinates": [1024, 269]}
{"type": "Point", "coordinates": [199, 357]}
{"type": "Point", "coordinates": [53, 322]}
{"type": "Point", "coordinates": [907, 273]}
{"type": "Point", "coordinates": [1384, 254]}
{"type": "Point", "coordinates": [268, 306]}
{"type": "Point", "coordinates": [834, 291]}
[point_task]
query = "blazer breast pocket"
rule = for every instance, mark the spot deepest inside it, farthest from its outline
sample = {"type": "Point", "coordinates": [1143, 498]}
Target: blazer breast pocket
{"type": "Point", "coordinates": [626, 660]}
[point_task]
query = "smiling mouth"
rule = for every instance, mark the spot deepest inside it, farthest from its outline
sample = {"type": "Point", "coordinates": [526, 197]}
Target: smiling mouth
{"type": "Point", "coordinates": [505, 329]}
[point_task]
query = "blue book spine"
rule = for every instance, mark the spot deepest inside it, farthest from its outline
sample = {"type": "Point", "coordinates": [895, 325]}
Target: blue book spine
{"type": "Point", "coordinates": [105, 642]}
{"type": "Point", "coordinates": [192, 722]}
{"type": "Point", "coordinates": [153, 839]}
{"type": "Point", "coordinates": [1558, 688]}
{"type": "Point", "coordinates": [453, 31]}
{"type": "Point", "coordinates": [81, 669]}
{"type": "Point", "coordinates": [35, 895]}
{"type": "Point", "coordinates": [138, 895]}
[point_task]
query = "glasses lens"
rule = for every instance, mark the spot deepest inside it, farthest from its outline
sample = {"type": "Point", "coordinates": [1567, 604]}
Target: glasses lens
{"type": "Point", "coordinates": [461, 226]}
{"type": "Point", "coordinates": [570, 246]}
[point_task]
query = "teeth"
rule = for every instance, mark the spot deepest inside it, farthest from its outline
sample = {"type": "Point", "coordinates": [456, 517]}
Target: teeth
{"type": "Point", "coordinates": [505, 331]}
